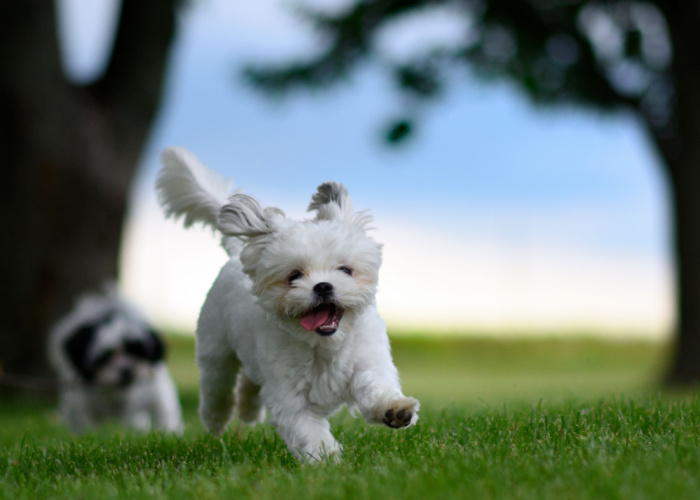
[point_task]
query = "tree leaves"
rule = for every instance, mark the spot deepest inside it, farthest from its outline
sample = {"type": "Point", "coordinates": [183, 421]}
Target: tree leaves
{"type": "Point", "coordinates": [600, 55]}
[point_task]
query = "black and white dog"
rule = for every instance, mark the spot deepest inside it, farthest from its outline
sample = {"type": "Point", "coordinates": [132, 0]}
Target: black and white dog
{"type": "Point", "coordinates": [111, 367]}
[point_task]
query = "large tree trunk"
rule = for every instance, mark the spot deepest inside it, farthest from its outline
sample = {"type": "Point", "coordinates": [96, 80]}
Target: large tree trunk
{"type": "Point", "coordinates": [679, 145]}
{"type": "Point", "coordinates": [69, 155]}
{"type": "Point", "coordinates": [685, 184]}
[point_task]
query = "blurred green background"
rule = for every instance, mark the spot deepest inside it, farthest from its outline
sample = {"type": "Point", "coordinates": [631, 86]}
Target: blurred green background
{"type": "Point", "coordinates": [485, 371]}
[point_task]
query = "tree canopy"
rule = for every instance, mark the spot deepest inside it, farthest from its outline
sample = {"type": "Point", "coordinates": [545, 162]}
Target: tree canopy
{"type": "Point", "coordinates": [604, 55]}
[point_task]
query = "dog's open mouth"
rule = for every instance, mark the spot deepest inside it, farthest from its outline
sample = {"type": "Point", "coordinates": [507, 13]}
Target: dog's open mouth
{"type": "Point", "coordinates": [323, 319]}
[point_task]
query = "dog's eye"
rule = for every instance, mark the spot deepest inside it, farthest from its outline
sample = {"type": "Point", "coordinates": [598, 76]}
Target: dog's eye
{"type": "Point", "coordinates": [346, 270]}
{"type": "Point", "coordinates": [295, 275]}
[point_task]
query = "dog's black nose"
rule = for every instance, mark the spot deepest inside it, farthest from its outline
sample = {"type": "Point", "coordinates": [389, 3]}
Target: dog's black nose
{"type": "Point", "coordinates": [323, 289]}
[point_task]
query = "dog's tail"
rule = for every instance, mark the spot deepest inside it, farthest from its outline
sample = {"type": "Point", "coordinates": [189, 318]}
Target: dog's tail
{"type": "Point", "coordinates": [188, 189]}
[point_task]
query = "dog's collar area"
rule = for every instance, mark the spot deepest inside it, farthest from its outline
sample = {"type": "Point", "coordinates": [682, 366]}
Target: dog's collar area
{"type": "Point", "coordinates": [323, 319]}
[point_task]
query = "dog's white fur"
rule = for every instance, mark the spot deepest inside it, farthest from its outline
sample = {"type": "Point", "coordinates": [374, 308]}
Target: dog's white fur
{"type": "Point", "coordinates": [255, 331]}
{"type": "Point", "coordinates": [148, 401]}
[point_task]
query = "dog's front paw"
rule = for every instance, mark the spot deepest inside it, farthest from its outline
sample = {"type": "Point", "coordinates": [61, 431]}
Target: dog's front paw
{"type": "Point", "coordinates": [401, 413]}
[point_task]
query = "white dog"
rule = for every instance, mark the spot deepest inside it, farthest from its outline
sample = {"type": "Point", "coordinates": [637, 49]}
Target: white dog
{"type": "Point", "coordinates": [291, 319]}
{"type": "Point", "coordinates": [110, 367]}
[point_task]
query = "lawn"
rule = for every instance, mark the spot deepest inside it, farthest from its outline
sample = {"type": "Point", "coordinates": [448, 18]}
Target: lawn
{"type": "Point", "coordinates": [500, 419]}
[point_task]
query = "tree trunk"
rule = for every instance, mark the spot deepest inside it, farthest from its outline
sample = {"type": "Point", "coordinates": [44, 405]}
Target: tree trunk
{"type": "Point", "coordinates": [685, 182]}
{"type": "Point", "coordinates": [69, 155]}
{"type": "Point", "coordinates": [679, 144]}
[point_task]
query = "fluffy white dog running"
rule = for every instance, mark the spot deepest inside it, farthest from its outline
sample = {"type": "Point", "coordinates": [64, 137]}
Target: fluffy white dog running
{"type": "Point", "coordinates": [291, 320]}
{"type": "Point", "coordinates": [111, 367]}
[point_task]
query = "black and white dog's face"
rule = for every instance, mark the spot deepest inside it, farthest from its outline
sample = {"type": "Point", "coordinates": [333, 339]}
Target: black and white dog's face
{"type": "Point", "coordinates": [114, 350]}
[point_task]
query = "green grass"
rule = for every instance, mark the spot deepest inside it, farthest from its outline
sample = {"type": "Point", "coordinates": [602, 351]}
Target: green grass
{"type": "Point", "coordinates": [487, 371]}
{"type": "Point", "coordinates": [513, 419]}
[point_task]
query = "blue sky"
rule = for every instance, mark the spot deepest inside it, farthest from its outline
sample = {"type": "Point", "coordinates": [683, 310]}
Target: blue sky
{"type": "Point", "coordinates": [498, 217]}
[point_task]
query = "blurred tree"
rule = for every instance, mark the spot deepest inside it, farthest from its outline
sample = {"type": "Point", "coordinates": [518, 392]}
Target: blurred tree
{"type": "Point", "coordinates": [638, 56]}
{"type": "Point", "coordinates": [69, 153]}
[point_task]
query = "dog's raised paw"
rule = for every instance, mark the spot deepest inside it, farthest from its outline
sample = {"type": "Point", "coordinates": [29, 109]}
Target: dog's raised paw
{"type": "Point", "coordinates": [401, 414]}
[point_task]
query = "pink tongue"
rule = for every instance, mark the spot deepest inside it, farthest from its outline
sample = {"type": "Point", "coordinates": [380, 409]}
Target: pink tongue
{"type": "Point", "coordinates": [316, 318]}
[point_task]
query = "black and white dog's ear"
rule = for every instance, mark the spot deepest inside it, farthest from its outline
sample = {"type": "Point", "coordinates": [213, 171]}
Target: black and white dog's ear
{"type": "Point", "coordinates": [76, 348]}
{"type": "Point", "coordinates": [150, 347]}
{"type": "Point", "coordinates": [243, 216]}
{"type": "Point", "coordinates": [332, 201]}
{"type": "Point", "coordinates": [156, 348]}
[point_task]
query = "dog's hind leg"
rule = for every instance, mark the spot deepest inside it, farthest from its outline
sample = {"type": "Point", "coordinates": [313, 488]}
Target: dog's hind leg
{"type": "Point", "coordinates": [249, 407]}
{"type": "Point", "coordinates": [216, 381]}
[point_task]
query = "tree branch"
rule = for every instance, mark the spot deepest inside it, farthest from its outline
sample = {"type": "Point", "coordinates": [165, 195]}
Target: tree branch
{"type": "Point", "coordinates": [29, 28]}
{"type": "Point", "coordinates": [132, 83]}
{"type": "Point", "coordinates": [346, 40]}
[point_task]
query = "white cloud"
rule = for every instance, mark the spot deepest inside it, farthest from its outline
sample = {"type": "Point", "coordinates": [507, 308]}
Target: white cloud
{"type": "Point", "coordinates": [438, 281]}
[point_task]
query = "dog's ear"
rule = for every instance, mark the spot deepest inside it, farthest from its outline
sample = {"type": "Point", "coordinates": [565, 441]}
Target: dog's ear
{"type": "Point", "coordinates": [155, 348]}
{"type": "Point", "coordinates": [243, 217]}
{"type": "Point", "coordinates": [150, 347]}
{"type": "Point", "coordinates": [76, 348]}
{"type": "Point", "coordinates": [332, 201]}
